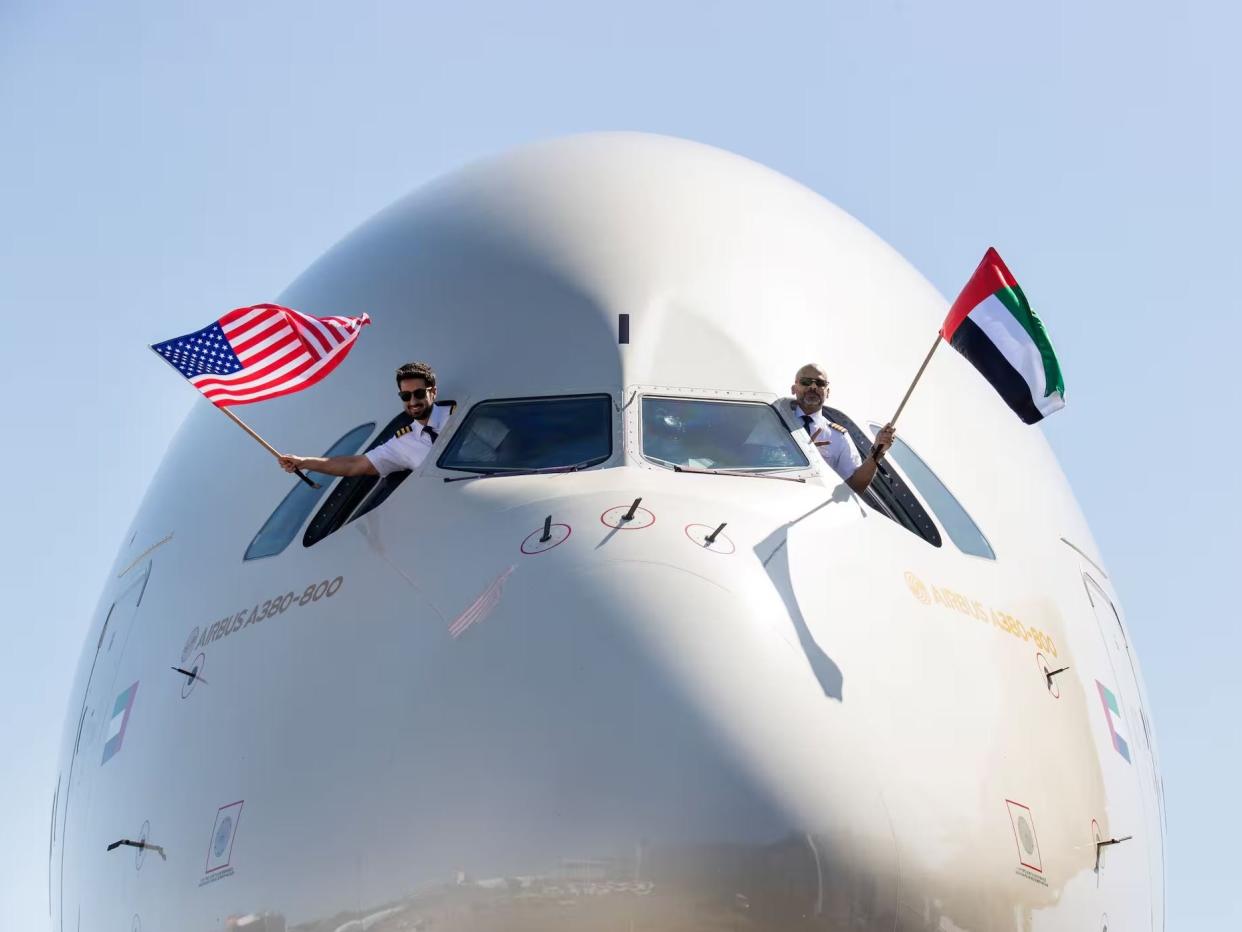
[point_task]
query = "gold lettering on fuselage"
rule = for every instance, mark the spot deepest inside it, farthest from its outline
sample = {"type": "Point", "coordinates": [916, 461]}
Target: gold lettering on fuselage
{"type": "Point", "coordinates": [974, 609]}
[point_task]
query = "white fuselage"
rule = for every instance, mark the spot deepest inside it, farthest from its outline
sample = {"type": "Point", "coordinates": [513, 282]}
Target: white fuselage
{"type": "Point", "coordinates": [434, 718]}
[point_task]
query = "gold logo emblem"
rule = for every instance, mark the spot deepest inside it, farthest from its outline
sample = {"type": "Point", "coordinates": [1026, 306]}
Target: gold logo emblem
{"type": "Point", "coordinates": [918, 589]}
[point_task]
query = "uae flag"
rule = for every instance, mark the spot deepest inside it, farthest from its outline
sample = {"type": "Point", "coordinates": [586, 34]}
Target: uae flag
{"type": "Point", "coordinates": [992, 325]}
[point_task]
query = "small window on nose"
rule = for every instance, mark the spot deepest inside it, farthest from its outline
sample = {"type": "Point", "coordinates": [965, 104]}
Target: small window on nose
{"type": "Point", "coordinates": [283, 524]}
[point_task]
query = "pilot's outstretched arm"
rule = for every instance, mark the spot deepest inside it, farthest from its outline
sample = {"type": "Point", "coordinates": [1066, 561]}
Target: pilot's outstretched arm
{"type": "Point", "coordinates": [863, 475]}
{"type": "Point", "coordinates": [330, 465]}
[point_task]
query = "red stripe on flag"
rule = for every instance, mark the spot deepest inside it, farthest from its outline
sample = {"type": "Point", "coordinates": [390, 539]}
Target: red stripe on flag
{"type": "Point", "coordinates": [284, 387]}
{"type": "Point", "coordinates": [312, 332]}
{"type": "Point", "coordinates": [281, 351]}
{"type": "Point", "coordinates": [255, 336]}
{"type": "Point", "coordinates": [246, 389]}
{"type": "Point", "coordinates": [990, 277]}
{"type": "Point", "coordinates": [302, 363]}
{"type": "Point", "coordinates": [239, 312]}
{"type": "Point", "coordinates": [253, 374]}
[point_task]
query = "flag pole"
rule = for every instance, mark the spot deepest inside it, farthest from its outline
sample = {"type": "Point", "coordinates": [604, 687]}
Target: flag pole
{"type": "Point", "coordinates": [267, 446]}
{"type": "Point", "coordinates": [918, 375]}
{"type": "Point", "coordinates": [246, 427]}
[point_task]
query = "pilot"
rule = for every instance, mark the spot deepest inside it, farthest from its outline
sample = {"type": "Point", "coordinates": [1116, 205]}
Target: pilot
{"type": "Point", "coordinates": [810, 391]}
{"type": "Point", "coordinates": [408, 447]}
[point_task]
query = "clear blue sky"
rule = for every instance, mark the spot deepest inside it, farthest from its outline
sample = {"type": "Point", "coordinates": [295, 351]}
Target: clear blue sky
{"type": "Point", "coordinates": [161, 162]}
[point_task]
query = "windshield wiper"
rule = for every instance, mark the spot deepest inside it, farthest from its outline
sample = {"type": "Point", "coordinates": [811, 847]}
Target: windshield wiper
{"type": "Point", "coordinates": [545, 470]}
{"type": "Point", "coordinates": [738, 472]}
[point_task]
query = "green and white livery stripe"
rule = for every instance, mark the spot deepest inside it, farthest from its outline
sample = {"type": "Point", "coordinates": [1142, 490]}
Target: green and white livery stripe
{"type": "Point", "coordinates": [1008, 321]}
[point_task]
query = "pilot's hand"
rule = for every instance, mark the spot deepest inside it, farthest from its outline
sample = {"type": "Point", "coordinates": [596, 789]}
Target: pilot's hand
{"type": "Point", "coordinates": [290, 463]}
{"type": "Point", "coordinates": [883, 440]}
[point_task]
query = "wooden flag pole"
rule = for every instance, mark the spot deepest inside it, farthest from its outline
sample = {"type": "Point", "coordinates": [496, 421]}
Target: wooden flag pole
{"type": "Point", "coordinates": [267, 446]}
{"type": "Point", "coordinates": [918, 375]}
{"type": "Point", "coordinates": [246, 427]}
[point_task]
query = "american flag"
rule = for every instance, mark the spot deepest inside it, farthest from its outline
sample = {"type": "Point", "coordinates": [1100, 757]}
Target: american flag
{"type": "Point", "coordinates": [255, 353]}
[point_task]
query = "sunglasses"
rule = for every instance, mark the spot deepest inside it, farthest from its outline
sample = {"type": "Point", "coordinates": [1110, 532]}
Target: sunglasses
{"type": "Point", "coordinates": [418, 394]}
{"type": "Point", "coordinates": [807, 383]}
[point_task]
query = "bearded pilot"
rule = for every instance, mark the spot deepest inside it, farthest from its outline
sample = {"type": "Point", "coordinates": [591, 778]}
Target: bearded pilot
{"type": "Point", "coordinates": [810, 391]}
{"type": "Point", "coordinates": [407, 448]}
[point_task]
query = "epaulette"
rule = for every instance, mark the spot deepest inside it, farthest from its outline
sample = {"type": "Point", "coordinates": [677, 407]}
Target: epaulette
{"type": "Point", "coordinates": [836, 427]}
{"type": "Point", "coordinates": [402, 431]}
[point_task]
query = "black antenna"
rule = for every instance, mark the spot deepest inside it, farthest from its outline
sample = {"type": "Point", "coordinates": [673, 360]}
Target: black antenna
{"type": "Point", "coordinates": [1049, 675]}
{"type": "Point", "coordinates": [1100, 845]}
{"type": "Point", "coordinates": [141, 845]}
{"type": "Point", "coordinates": [711, 538]}
{"type": "Point", "coordinates": [629, 515]}
{"type": "Point", "coordinates": [191, 675]}
{"type": "Point", "coordinates": [547, 530]}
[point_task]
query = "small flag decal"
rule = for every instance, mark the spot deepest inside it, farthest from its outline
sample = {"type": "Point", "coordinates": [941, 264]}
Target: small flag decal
{"type": "Point", "coordinates": [481, 607]}
{"type": "Point", "coordinates": [220, 848]}
{"type": "Point", "coordinates": [1023, 822]}
{"type": "Point", "coordinates": [118, 723]}
{"type": "Point", "coordinates": [1116, 724]}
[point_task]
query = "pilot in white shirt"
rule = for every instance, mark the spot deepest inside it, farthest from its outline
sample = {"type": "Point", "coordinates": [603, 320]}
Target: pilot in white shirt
{"type": "Point", "coordinates": [409, 446]}
{"type": "Point", "coordinates": [831, 440]}
{"type": "Point", "coordinates": [416, 386]}
{"type": "Point", "coordinates": [810, 391]}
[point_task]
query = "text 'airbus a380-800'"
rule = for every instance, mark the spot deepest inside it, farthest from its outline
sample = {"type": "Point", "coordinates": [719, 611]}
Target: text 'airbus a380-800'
{"type": "Point", "coordinates": [622, 653]}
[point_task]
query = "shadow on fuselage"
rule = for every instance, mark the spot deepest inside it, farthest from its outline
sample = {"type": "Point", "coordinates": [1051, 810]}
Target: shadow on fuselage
{"type": "Point", "coordinates": [829, 676]}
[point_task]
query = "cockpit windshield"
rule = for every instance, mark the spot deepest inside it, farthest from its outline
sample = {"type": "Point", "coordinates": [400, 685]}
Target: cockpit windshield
{"type": "Point", "coordinates": [725, 435]}
{"type": "Point", "coordinates": [531, 434]}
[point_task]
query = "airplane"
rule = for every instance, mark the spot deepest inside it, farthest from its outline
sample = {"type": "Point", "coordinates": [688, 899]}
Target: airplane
{"type": "Point", "coordinates": [623, 653]}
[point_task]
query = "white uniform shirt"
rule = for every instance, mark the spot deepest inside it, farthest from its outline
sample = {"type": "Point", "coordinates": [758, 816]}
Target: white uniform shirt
{"type": "Point", "coordinates": [410, 447]}
{"type": "Point", "coordinates": [833, 443]}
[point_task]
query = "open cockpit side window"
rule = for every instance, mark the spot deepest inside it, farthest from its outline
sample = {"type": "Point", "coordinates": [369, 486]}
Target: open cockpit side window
{"type": "Point", "coordinates": [717, 435]}
{"type": "Point", "coordinates": [957, 522]}
{"type": "Point", "coordinates": [888, 492]}
{"type": "Point", "coordinates": [354, 496]}
{"type": "Point", "coordinates": [504, 435]}
{"type": "Point", "coordinates": [283, 524]}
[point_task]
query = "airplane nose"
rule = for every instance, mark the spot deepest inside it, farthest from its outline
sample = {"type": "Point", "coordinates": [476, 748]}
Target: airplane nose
{"type": "Point", "coordinates": [627, 745]}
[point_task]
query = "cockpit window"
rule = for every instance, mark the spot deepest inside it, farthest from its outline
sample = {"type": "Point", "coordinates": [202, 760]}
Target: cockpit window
{"type": "Point", "coordinates": [350, 491]}
{"type": "Point", "coordinates": [888, 492]}
{"type": "Point", "coordinates": [282, 526]}
{"type": "Point", "coordinates": [519, 434]}
{"type": "Point", "coordinates": [958, 524]}
{"type": "Point", "coordinates": [710, 434]}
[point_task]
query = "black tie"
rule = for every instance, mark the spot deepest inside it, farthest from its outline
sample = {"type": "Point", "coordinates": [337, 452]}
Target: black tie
{"type": "Point", "coordinates": [431, 432]}
{"type": "Point", "coordinates": [807, 422]}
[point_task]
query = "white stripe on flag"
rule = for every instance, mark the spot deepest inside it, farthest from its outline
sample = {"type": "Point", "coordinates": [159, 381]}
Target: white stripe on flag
{"type": "Point", "coordinates": [1016, 345]}
{"type": "Point", "coordinates": [255, 372]}
{"type": "Point", "coordinates": [1119, 722]}
{"type": "Point", "coordinates": [239, 335]}
{"type": "Point", "coordinates": [262, 383]}
{"type": "Point", "coordinates": [234, 326]}
{"type": "Point", "coordinates": [310, 323]}
{"type": "Point", "coordinates": [247, 394]}
{"type": "Point", "coordinates": [265, 346]}
{"type": "Point", "coordinates": [114, 726]}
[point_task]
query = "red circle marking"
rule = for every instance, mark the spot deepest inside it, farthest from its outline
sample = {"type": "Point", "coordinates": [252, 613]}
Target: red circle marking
{"type": "Point", "coordinates": [197, 667]}
{"type": "Point", "coordinates": [703, 545]}
{"type": "Point", "coordinates": [1042, 662]}
{"type": "Point", "coordinates": [626, 525]}
{"type": "Point", "coordinates": [551, 544]}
